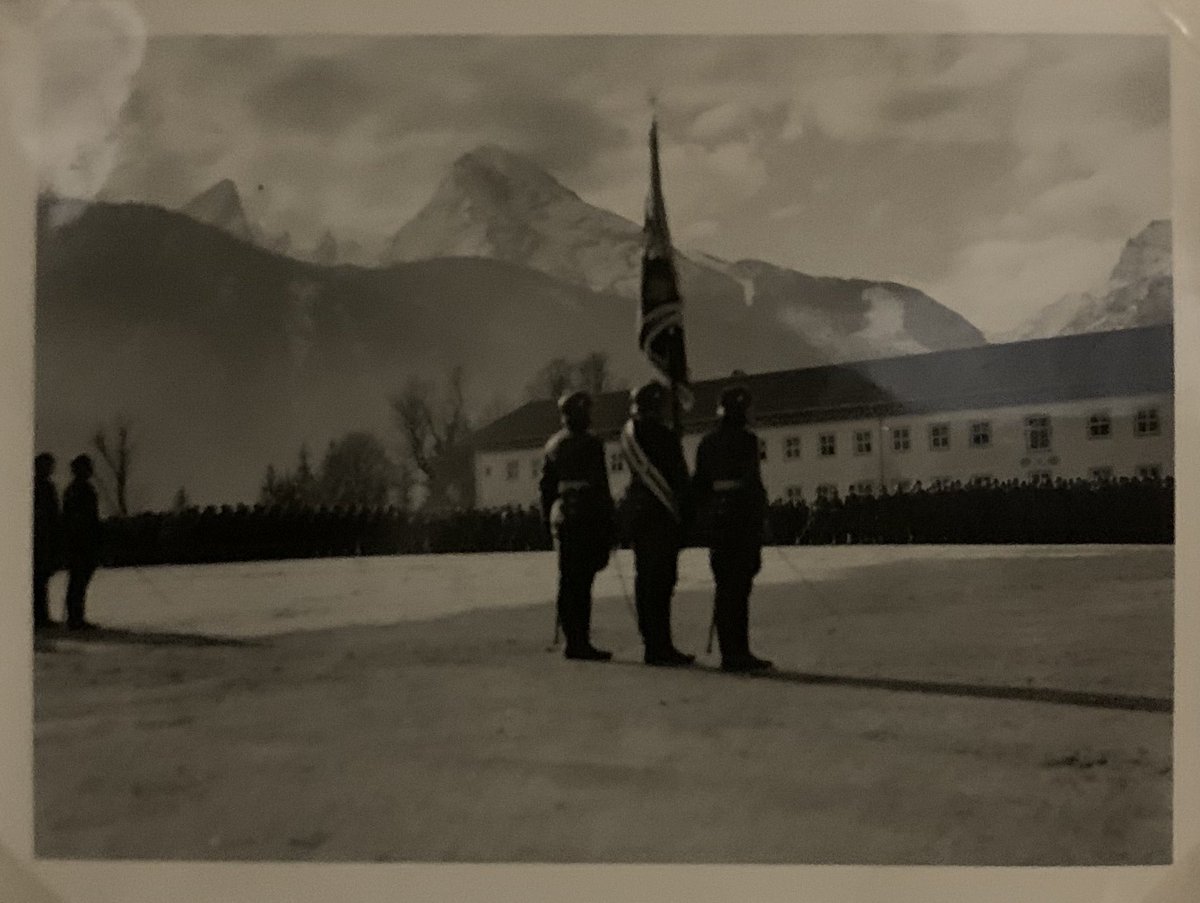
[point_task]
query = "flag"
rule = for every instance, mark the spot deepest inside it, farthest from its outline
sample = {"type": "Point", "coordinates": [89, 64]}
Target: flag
{"type": "Point", "coordinates": [660, 324]}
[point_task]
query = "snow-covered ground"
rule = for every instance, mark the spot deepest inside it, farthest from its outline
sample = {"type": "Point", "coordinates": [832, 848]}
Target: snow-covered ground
{"type": "Point", "coordinates": [265, 598]}
{"type": "Point", "coordinates": [972, 706]}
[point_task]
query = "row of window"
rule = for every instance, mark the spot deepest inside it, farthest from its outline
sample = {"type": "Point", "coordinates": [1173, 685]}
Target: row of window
{"type": "Point", "coordinates": [1037, 435]}
{"type": "Point", "coordinates": [795, 493]}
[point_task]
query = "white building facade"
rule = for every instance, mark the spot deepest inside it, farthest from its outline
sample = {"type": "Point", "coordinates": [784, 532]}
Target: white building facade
{"type": "Point", "coordinates": [1097, 425]}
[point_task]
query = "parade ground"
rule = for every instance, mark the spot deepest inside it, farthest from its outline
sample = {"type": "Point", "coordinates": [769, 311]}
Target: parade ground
{"type": "Point", "coordinates": [942, 705]}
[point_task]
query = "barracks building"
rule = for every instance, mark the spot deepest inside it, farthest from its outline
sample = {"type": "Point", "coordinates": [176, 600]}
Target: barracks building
{"type": "Point", "coordinates": [1093, 406]}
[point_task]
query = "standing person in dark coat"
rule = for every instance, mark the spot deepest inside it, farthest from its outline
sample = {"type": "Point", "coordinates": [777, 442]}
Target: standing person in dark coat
{"type": "Point", "coordinates": [660, 513]}
{"type": "Point", "coordinates": [47, 537]}
{"type": "Point", "coordinates": [731, 503]}
{"type": "Point", "coordinates": [577, 508]}
{"type": "Point", "coordinates": [81, 537]}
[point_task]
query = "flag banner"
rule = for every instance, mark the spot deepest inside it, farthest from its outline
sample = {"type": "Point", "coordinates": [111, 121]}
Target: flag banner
{"type": "Point", "coordinates": [660, 326]}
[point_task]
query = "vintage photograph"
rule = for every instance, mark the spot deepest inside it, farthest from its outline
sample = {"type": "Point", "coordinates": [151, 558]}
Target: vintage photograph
{"type": "Point", "coordinates": [604, 449]}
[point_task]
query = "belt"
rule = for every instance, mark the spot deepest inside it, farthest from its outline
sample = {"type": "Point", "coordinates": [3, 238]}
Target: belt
{"type": "Point", "coordinates": [727, 485]}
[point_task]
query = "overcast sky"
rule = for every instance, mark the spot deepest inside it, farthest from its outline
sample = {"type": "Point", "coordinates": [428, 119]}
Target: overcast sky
{"type": "Point", "coordinates": [995, 173]}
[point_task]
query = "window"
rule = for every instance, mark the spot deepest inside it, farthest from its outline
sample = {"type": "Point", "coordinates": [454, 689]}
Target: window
{"type": "Point", "coordinates": [1149, 472]}
{"type": "Point", "coordinates": [862, 442]}
{"type": "Point", "coordinates": [795, 494]}
{"type": "Point", "coordinates": [1146, 422]}
{"type": "Point", "coordinates": [512, 470]}
{"type": "Point", "coordinates": [1037, 433]}
{"type": "Point", "coordinates": [762, 449]}
{"type": "Point", "coordinates": [616, 462]}
{"type": "Point", "coordinates": [866, 487]}
{"type": "Point", "coordinates": [939, 435]}
{"type": "Point", "coordinates": [901, 439]}
{"type": "Point", "coordinates": [981, 434]}
{"type": "Point", "coordinates": [1099, 426]}
{"type": "Point", "coordinates": [827, 491]}
{"type": "Point", "coordinates": [791, 447]}
{"type": "Point", "coordinates": [1100, 474]}
{"type": "Point", "coordinates": [828, 445]}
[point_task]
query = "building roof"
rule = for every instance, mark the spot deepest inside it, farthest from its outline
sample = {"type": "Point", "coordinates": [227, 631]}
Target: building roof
{"type": "Point", "coordinates": [1040, 371]}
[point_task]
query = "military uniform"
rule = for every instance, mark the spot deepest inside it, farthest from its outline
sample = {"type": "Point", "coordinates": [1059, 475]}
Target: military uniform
{"type": "Point", "coordinates": [660, 513]}
{"type": "Point", "coordinates": [577, 507]}
{"type": "Point", "coordinates": [731, 501]}
{"type": "Point", "coordinates": [81, 536]}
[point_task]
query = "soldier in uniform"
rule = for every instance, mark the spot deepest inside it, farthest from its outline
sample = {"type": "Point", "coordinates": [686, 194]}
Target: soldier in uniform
{"type": "Point", "coordinates": [81, 534]}
{"type": "Point", "coordinates": [577, 508]}
{"type": "Point", "coordinates": [660, 513]}
{"type": "Point", "coordinates": [731, 501]}
{"type": "Point", "coordinates": [47, 525]}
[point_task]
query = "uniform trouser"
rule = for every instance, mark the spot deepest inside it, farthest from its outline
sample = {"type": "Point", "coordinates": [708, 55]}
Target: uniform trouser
{"type": "Point", "coordinates": [733, 570]}
{"type": "Point", "coordinates": [656, 561]}
{"type": "Point", "coordinates": [576, 572]}
{"type": "Point", "coordinates": [77, 585]}
{"type": "Point", "coordinates": [41, 597]}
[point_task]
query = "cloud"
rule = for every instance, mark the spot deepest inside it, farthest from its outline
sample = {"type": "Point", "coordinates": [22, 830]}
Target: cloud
{"type": "Point", "coordinates": [998, 283]}
{"type": "Point", "coordinates": [316, 95]}
{"type": "Point", "coordinates": [89, 54]}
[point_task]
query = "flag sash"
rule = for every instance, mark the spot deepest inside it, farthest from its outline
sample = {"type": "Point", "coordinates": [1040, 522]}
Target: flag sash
{"type": "Point", "coordinates": [651, 476]}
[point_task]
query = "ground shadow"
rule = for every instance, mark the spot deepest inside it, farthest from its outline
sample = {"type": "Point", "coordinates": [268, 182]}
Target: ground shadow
{"type": "Point", "coordinates": [48, 640]}
{"type": "Point", "coordinates": [1088, 699]}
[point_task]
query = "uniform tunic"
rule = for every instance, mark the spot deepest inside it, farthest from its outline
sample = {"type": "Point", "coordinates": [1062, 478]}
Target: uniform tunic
{"type": "Point", "coordinates": [577, 507]}
{"type": "Point", "coordinates": [731, 501]}
{"type": "Point", "coordinates": [657, 531]}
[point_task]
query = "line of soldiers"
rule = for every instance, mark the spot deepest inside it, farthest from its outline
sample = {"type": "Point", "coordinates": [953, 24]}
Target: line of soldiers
{"type": "Point", "coordinates": [67, 536]}
{"type": "Point", "coordinates": [725, 497]}
{"type": "Point", "coordinates": [1127, 510]}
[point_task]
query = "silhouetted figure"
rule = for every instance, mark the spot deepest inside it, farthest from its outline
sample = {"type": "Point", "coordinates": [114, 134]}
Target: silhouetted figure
{"type": "Point", "coordinates": [660, 513]}
{"type": "Point", "coordinates": [47, 537]}
{"type": "Point", "coordinates": [731, 504]}
{"type": "Point", "coordinates": [577, 507]}
{"type": "Point", "coordinates": [81, 539]}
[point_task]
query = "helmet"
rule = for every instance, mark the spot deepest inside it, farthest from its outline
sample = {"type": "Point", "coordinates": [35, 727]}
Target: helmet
{"type": "Point", "coordinates": [81, 466]}
{"type": "Point", "coordinates": [43, 464]}
{"type": "Point", "coordinates": [649, 400]}
{"type": "Point", "coordinates": [575, 407]}
{"type": "Point", "coordinates": [734, 404]}
{"type": "Point", "coordinates": [571, 402]}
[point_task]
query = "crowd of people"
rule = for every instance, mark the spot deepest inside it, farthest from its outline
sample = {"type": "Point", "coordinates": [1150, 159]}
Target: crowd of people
{"type": "Point", "coordinates": [1066, 511]}
{"type": "Point", "coordinates": [1125, 510]}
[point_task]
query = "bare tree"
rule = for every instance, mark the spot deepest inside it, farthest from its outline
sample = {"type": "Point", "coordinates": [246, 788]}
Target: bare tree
{"type": "Point", "coordinates": [431, 427]}
{"type": "Point", "coordinates": [357, 470]}
{"type": "Point", "coordinates": [117, 458]}
{"type": "Point", "coordinates": [593, 373]}
{"type": "Point", "coordinates": [552, 380]}
{"type": "Point", "coordinates": [558, 376]}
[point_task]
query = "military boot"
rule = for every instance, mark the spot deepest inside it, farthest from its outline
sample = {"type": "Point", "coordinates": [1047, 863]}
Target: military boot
{"type": "Point", "coordinates": [745, 664]}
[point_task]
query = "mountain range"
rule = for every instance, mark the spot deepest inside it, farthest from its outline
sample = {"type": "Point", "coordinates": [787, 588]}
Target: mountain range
{"type": "Point", "coordinates": [1139, 292]}
{"type": "Point", "coordinates": [227, 353]}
